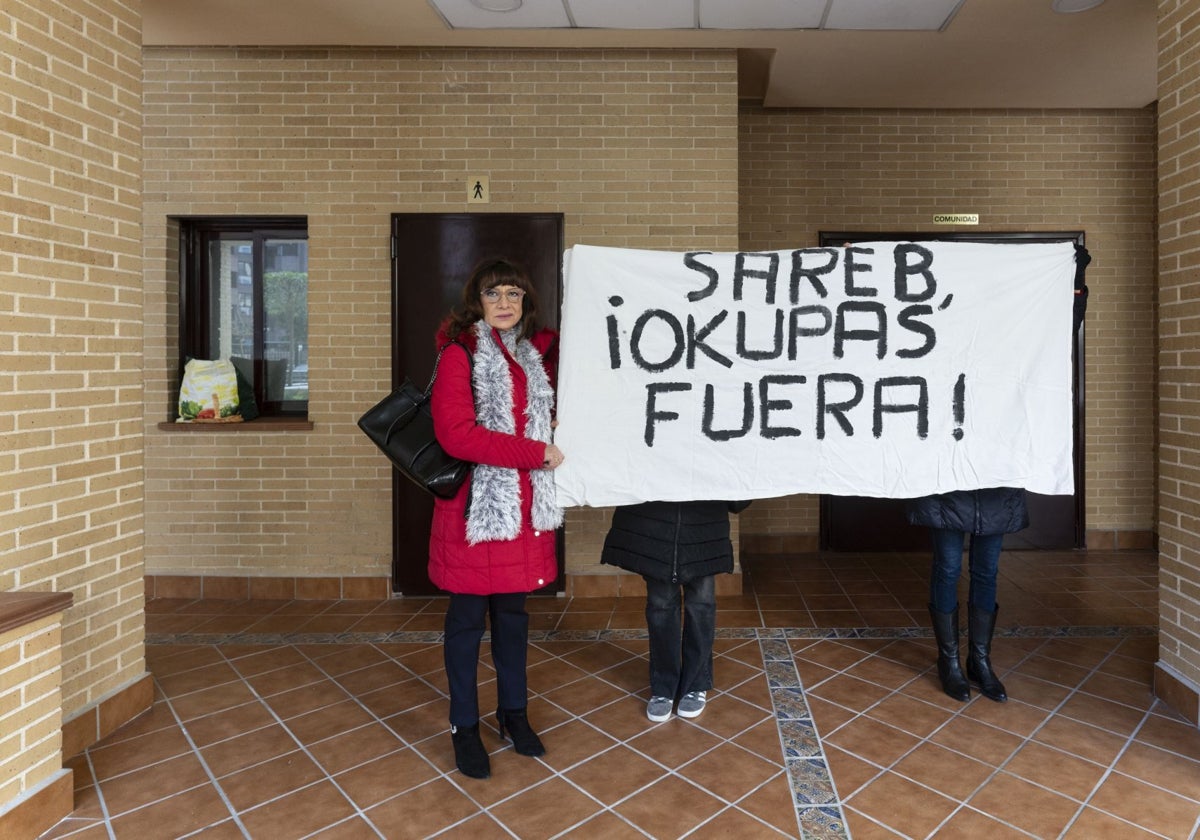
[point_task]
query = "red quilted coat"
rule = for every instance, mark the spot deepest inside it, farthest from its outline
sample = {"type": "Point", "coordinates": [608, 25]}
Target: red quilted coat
{"type": "Point", "coordinates": [518, 565]}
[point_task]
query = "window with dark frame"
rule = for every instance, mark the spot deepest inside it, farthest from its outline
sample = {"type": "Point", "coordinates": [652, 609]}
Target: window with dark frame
{"type": "Point", "coordinates": [244, 297]}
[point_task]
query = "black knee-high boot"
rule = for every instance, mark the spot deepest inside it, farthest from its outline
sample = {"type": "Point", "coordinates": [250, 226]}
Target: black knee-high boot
{"type": "Point", "coordinates": [945, 630]}
{"type": "Point", "coordinates": [980, 627]}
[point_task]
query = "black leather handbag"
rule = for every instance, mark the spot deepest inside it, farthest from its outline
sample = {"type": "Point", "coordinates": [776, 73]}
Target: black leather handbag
{"type": "Point", "coordinates": [401, 425]}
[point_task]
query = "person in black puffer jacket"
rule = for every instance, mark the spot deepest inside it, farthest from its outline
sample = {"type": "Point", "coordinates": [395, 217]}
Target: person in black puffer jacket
{"type": "Point", "coordinates": [987, 515]}
{"type": "Point", "coordinates": [677, 547]}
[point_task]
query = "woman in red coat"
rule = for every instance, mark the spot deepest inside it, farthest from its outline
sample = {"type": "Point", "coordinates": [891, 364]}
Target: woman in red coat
{"type": "Point", "coordinates": [494, 542]}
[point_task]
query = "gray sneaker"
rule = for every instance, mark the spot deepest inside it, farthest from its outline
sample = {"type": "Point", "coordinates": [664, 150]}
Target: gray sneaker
{"type": "Point", "coordinates": [692, 704]}
{"type": "Point", "coordinates": [658, 709]}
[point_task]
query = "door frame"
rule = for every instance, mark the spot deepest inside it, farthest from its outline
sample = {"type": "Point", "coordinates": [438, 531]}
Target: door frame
{"type": "Point", "coordinates": [829, 239]}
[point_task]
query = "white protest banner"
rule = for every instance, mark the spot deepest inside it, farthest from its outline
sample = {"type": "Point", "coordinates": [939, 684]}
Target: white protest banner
{"type": "Point", "coordinates": [888, 369]}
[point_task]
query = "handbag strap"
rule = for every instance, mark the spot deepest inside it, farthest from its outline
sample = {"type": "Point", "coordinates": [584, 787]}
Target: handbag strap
{"type": "Point", "coordinates": [471, 382]}
{"type": "Point", "coordinates": [437, 361]}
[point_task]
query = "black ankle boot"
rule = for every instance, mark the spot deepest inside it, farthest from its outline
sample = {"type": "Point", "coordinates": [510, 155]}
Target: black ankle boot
{"type": "Point", "coordinates": [469, 755]}
{"type": "Point", "coordinates": [525, 740]}
{"type": "Point", "coordinates": [980, 627]}
{"type": "Point", "coordinates": [945, 630]}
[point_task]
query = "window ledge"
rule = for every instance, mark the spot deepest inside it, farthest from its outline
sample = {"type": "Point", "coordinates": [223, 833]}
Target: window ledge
{"type": "Point", "coordinates": [258, 424]}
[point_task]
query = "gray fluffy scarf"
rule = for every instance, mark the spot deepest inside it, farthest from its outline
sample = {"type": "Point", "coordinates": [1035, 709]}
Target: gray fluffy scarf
{"type": "Point", "coordinates": [495, 509]}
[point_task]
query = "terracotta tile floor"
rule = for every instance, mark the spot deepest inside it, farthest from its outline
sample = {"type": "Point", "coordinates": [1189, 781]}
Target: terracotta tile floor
{"type": "Point", "coordinates": [328, 719]}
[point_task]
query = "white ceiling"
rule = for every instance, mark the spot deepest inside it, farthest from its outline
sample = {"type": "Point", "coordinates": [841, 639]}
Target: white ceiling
{"type": "Point", "coordinates": [792, 53]}
{"type": "Point", "coordinates": [697, 14]}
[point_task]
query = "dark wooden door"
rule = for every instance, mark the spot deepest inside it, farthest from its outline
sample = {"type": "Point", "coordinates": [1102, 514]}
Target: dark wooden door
{"type": "Point", "coordinates": [857, 523]}
{"type": "Point", "coordinates": [432, 256]}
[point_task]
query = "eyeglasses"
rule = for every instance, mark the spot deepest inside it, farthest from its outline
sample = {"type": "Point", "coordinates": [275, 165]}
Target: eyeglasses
{"type": "Point", "coordinates": [493, 295]}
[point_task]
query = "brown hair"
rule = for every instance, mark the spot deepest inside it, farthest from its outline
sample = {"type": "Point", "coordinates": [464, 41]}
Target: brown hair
{"type": "Point", "coordinates": [487, 275]}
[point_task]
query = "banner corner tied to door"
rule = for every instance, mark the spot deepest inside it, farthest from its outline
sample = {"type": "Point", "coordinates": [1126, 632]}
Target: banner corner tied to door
{"type": "Point", "coordinates": [885, 369]}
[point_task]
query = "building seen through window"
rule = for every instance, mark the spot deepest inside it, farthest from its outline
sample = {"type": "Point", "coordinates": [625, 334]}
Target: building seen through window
{"type": "Point", "coordinates": [245, 298]}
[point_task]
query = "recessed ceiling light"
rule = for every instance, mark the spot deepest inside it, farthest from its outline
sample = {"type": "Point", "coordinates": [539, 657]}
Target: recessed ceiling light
{"type": "Point", "coordinates": [498, 5]}
{"type": "Point", "coordinates": [1067, 7]}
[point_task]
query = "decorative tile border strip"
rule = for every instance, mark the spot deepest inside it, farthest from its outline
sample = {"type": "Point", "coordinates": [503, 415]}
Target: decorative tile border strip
{"type": "Point", "coordinates": [1039, 632]}
{"type": "Point", "coordinates": [435, 636]}
{"type": "Point", "coordinates": [818, 808]}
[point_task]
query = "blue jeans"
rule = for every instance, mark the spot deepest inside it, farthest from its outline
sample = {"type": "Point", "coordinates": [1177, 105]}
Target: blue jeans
{"type": "Point", "coordinates": [510, 635]}
{"type": "Point", "coordinates": [681, 651]}
{"type": "Point", "coordinates": [947, 567]}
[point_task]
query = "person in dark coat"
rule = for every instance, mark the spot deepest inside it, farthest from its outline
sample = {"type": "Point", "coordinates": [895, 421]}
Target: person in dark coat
{"type": "Point", "coordinates": [987, 515]}
{"type": "Point", "coordinates": [678, 548]}
{"type": "Point", "coordinates": [494, 542]}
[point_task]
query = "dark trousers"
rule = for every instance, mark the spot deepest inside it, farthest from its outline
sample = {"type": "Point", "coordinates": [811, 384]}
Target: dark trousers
{"type": "Point", "coordinates": [947, 567]}
{"type": "Point", "coordinates": [465, 618]}
{"type": "Point", "coordinates": [681, 652]}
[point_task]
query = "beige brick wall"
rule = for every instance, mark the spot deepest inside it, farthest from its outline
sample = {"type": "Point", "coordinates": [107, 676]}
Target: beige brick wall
{"type": "Point", "coordinates": [71, 328]}
{"type": "Point", "coordinates": [30, 706]}
{"type": "Point", "coordinates": [804, 171]}
{"type": "Point", "coordinates": [637, 148]}
{"type": "Point", "coordinates": [1179, 341]}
